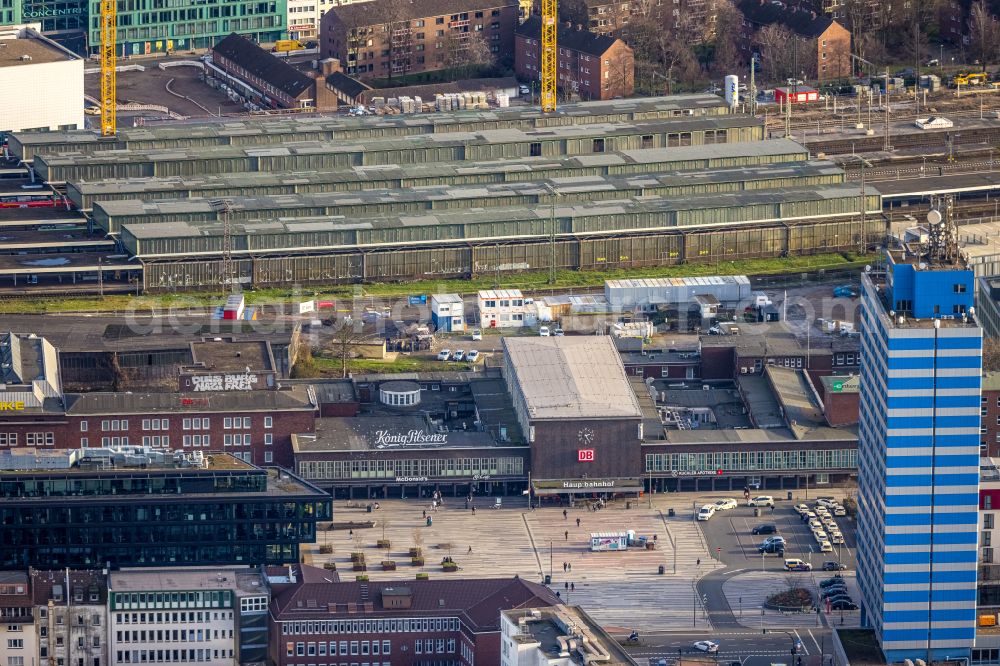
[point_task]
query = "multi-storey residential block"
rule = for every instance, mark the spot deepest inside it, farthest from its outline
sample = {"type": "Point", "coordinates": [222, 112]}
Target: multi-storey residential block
{"type": "Point", "coordinates": [388, 39]}
{"type": "Point", "coordinates": [827, 42]}
{"type": "Point", "coordinates": [918, 462]}
{"type": "Point", "coordinates": [18, 635]}
{"type": "Point", "coordinates": [590, 66]}
{"type": "Point", "coordinates": [72, 626]}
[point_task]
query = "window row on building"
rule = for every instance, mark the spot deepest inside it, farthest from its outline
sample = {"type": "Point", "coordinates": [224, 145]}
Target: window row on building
{"type": "Point", "coordinates": [172, 635]}
{"type": "Point", "coordinates": [740, 461]}
{"type": "Point", "coordinates": [166, 600]}
{"type": "Point", "coordinates": [170, 656]}
{"type": "Point", "coordinates": [343, 648]}
{"type": "Point", "coordinates": [429, 467]}
{"type": "Point", "coordinates": [393, 626]}
{"type": "Point", "coordinates": [173, 618]}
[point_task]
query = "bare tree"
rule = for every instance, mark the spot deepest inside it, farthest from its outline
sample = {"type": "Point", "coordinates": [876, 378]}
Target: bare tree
{"type": "Point", "coordinates": [393, 17]}
{"type": "Point", "coordinates": [345, 340]}
{"type": "Point", "coordinates": [775, 57]}
{"type": "Point", "coordinates": [728, 22]}
{"type": "Point", "coordinates": [984, 34]}
{"type": "Point", "coordinates": [991, 354]}
{"type": "Point", "coordinates": [465, 52]}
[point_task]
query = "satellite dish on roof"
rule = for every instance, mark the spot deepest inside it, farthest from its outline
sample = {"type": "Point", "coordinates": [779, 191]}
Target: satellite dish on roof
{"type": "Point", "coordinates": [868, 268]}
{"type": "Point", "coordinates": [922, 266]}
{"type": "Point", "coordinates": [934, 216]}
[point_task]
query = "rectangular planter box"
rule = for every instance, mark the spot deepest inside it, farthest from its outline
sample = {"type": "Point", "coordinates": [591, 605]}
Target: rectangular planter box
{"type": "Point", "coordinates": [388, 566]}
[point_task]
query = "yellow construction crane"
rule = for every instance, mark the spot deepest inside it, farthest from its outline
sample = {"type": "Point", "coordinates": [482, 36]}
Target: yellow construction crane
{"type": "Point", "coordinates": [109, 96]}
{"type": "Point", "coordinates": [550, 23]}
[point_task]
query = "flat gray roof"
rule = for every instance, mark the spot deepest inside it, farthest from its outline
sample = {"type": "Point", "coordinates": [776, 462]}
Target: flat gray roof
{"type": "Point", "coordinates": [31, 51]}
{"type": "Point", "coordinates": [186, 579]}
{"type": "Point", "coordinates": [412, 142]}
{"type": "Point", "coordinates": [241, 127]}
{"type": "Point", "coordinates": [650, 204]}
{"type": "Point", "coordinates": [580, 377]}
{"type": "Point", "coordinates": [444, 193]}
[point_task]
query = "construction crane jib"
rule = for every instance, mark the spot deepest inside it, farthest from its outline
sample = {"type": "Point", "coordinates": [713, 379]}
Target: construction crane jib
{"type": "Point", "coordinates": [550, 24]}
{"type": "Point", "coordinates": [109, 101]}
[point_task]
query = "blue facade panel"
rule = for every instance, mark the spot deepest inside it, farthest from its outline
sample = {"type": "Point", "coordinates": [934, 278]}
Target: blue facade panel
{"type": "Point", "coordinates": [929, 361]}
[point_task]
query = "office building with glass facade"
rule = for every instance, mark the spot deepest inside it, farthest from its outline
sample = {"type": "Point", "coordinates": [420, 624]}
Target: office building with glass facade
{"type": "Point", "coordinates": [137, 507]}
{"type": "Point", "coordinates": [158, 26]}
{"type": "Point", "coordinates": [918, 458]}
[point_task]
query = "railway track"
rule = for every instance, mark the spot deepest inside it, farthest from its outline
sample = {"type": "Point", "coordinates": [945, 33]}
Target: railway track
{"type": "Point", "coordinates": [986, 136]}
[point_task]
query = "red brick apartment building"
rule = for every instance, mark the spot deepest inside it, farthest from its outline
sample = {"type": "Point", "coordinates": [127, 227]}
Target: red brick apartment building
{"type": "Point", "coordinates": [825, 37]}
{"type": "Point", "coordinates": [591, 66]}
{"type": "Point", "coordinates": [316, 619]}
{"type": "Point", "coordinates": [422, 36]}
{"type": "Point", "coordinates": [989, 431]}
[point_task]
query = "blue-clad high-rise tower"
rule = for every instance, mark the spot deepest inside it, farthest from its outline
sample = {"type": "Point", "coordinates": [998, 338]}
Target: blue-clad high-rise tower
{"type": "Point", "coordinates": [918, 462]}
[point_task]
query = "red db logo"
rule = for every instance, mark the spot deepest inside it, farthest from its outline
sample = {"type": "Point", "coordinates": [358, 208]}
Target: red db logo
{"type": "Point", "coordinates": [585, 455]}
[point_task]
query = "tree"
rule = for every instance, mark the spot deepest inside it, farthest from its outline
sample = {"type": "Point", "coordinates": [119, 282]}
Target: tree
{"type": "Point", "coordinates": [775, 56]}
{"type": "Point", "coordinates": [984, 32]}
{"type": "Point", "coordinates": [728, 23]}
{"type": "Point", "coordinates": [465, 52]}
{"type": "Point", "coordinates": [393, 16]}
{"type": "Point", "coordinates": [346, 338]}
{"type": "Point", "coordinates": [991, 354]}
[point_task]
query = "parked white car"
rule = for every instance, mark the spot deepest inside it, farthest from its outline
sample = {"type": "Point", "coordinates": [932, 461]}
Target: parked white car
{"type": "Point", "coordinates": [825, 547]}
{"type": "Point", "coordinates": [763, 500]}
{"type": "Point", "coordinates": [706, 512]}
{"type": "Point", "coordinates": [820, 536]}
{"type": "Point", "coordinates": [444, 354]}
{"type": "Point", "coordinates": [726, 504]}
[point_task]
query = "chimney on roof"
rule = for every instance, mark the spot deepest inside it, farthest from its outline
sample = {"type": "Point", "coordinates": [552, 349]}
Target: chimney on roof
{"type": "Point", "coordinates": [579, 27]}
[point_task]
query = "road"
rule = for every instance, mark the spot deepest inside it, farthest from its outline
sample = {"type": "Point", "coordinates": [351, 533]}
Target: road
{"type": "Point", "coordinates": [747, 647]}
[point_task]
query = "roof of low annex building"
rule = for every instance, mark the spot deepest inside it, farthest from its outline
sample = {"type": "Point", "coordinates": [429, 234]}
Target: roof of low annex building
{"type": "Point", "coordinates": [477, 601]}
{"type": "Point", "coordinates": [571, 377]}
{"type": "Point", "coordinates": [32, 49]}
{"type": "Point", "coordinates": [258, 62]}
{"type": "Point", "coordinates": [115, 404]}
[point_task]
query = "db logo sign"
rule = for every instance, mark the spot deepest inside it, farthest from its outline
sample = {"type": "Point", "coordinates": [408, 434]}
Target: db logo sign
{"type": "Point", "coordinates": [585, 455]}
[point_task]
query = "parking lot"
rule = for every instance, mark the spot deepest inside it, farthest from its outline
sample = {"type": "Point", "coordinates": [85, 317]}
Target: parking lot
{"type": "Point", "coordinates": [729, 537]}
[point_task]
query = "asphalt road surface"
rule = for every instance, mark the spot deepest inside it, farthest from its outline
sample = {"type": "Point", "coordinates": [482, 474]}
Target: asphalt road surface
{"type": "Point", "coordinates": [744, 646]}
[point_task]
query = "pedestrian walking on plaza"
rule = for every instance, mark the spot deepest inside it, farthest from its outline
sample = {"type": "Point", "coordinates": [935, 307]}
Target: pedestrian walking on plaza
{"type": "Point", "coordinates": [564, 567]}
{"type": "Point", "coordinates": [577, 522]}
{"type": "Point", "coordinates": [564, 514]}
{"type": "Point", "coordinates": [425, 513]}
{"type": "Point", "coordinates": [570, 566]}
{"type": "Point", "coordinates": [566, 534]}
{"type": "Point", "coordinates": [565, 586]}
{"type": "Point", "coordinates": [470, 550]}
{"type": "Point", "coordinates": [572, 587]}
{"type": "Point", "coordinates": [473, 511]}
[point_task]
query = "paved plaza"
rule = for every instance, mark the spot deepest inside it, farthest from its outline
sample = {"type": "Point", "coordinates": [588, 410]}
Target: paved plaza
{"type": "Point", "coordinates": [620, 589]}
